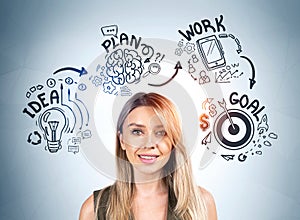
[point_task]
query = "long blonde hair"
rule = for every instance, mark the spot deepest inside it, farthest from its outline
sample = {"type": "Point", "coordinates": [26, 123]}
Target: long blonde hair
{"type": "Point", "coordinates": [177, 173]}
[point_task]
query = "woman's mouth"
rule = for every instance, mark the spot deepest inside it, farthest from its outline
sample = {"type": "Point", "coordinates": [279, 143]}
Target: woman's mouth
{"type": "Point", "coordinates": [148, 158]}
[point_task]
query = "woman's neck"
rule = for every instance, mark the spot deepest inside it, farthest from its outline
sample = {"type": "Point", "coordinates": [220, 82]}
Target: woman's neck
{"type": "Point", "coordinates": [151, 188]}
{"type": "Point", "coordinates": [150, 200]}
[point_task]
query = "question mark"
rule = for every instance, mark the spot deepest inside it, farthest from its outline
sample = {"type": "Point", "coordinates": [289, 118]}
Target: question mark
{"type": "Point", "coordinates": [158, 55]}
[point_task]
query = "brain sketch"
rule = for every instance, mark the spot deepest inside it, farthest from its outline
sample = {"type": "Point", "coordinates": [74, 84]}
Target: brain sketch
{"type": "Point", "coordinates": [124, 66]}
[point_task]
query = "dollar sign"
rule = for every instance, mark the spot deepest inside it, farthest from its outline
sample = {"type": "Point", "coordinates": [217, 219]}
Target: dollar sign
{"type": "Point", "coordinates": [204, 123]}
{"type": "Point", "coordinates": [212, 110]}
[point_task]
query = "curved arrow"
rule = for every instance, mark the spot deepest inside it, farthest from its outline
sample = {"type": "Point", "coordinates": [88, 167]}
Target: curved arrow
{"type": "Point", "coordinates": [36, 133]}
{"type": "Point", "coordinates": [81, 72]}
{"type": "Point", "coordinates": [177, 67]}
{"type": "Point", "coordinates": [252, 80]}
{"type": "Point", "coordinates": [242, 157]}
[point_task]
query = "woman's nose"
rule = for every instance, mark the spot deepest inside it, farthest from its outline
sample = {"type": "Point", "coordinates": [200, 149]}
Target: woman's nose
{"type": "Point", "coordinates": [152, 141]}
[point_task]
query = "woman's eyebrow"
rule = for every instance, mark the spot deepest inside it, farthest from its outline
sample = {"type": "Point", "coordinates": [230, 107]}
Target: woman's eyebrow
{"type": "Point", "coordinates": [143, 126]}
{"type": "Point", "coordinates": [137, 125]}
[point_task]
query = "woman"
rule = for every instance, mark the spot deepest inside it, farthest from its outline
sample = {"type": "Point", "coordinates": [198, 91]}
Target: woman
{"type": "Point", "coordinates": [153, 169]}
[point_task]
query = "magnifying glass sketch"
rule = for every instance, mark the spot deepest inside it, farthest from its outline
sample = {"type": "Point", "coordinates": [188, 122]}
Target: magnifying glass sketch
{"type": "Point", "coordinates": [153, 68]}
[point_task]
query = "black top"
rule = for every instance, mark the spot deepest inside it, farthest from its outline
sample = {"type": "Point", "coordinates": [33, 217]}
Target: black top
{"type": "Point", "coordinates": [102, 209]}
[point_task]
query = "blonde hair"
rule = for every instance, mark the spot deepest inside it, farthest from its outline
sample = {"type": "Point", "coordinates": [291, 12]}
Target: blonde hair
{"type": "Point", "coordinates": [177, 173]}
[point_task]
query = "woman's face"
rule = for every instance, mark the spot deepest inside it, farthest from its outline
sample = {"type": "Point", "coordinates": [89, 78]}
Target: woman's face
{"type": "Point", "coordinates": [145, 141]}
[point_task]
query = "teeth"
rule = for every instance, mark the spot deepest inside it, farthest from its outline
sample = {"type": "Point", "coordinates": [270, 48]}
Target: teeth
{"type": "Point", "coordinates": [147, 157]}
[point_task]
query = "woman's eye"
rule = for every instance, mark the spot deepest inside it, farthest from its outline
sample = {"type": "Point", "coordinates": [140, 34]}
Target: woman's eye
{"type": "Point", "coordinates": [137, 132]}
{"type": "Point", "coordinates": [160, 133]}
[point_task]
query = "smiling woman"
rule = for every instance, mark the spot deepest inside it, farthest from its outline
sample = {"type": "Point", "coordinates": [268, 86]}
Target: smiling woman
{"type": "Point", "coordinates": [154, 172]}
{"type": "Point", "coordinates": [145, 141]}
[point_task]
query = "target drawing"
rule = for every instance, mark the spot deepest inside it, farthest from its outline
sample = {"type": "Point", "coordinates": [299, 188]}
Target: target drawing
{"type": "Point", "coordinates": [233, 129]}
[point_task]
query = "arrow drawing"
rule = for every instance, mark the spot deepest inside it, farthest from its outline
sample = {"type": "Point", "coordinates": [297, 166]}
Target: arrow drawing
{"type": "Point", "coordinates": [177, 67]}
{"type": "Point", "coordinates": [81, 72]}
{"type": "Point", "coordinates": [252, 80]}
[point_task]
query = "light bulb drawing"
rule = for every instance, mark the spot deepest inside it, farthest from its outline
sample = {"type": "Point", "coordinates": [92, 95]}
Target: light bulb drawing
{"type": "Point", "coordinates": [53, 122]}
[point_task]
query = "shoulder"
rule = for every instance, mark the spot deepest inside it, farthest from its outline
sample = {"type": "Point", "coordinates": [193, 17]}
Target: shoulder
{"type": "Point", "coordinates": [210, 204]}
{"type": "Point", "coordinates": [87, 209]}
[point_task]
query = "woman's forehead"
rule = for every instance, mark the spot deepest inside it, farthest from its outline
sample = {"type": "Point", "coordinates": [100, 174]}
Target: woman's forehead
{"type": "Point", "coordinates": [143, 116]}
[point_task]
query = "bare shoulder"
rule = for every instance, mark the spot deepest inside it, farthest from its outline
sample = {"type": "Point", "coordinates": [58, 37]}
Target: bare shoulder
{"type": "Point", "coordinates": [87, 209]}
{"type": "Point", "coordinates": [210, 204]}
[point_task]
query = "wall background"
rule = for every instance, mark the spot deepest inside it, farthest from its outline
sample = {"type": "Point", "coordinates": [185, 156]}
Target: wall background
{"type": "Point", "coordinates": [38, 37]}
